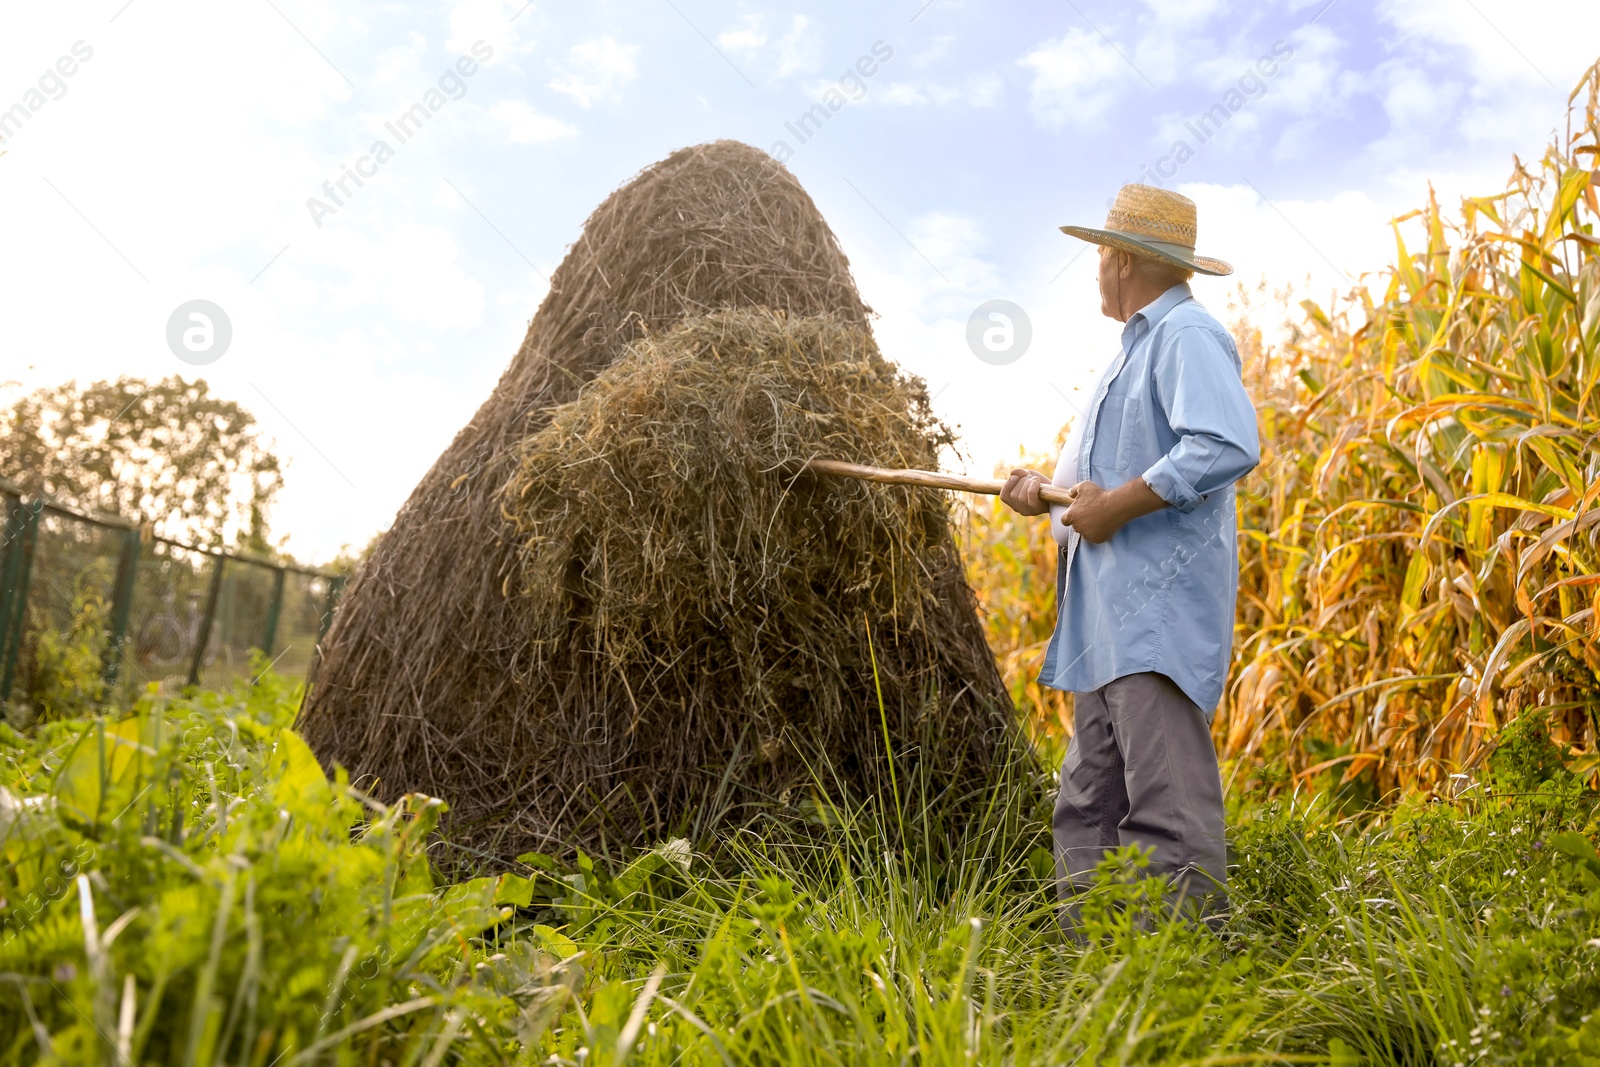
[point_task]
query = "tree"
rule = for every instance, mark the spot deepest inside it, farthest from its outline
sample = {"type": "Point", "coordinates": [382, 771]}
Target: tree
{"type": "Point", "coordinates": [168, 453]}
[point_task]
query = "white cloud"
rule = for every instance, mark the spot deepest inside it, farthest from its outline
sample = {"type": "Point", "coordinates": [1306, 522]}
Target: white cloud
{"type": "Point", "coordinates": [797, 51]}
{"type": "Point", "coordinates": [746, 40]}
{"type": "Point", "coordinates": [1464, 85]}
{"type": "Point", "coordinates": [409, 270]}
{"type": "Point", "coordinates": [934, 49]}
{"type": "Point", "coordinates": [1413, 100]}
{"type": "Point", "coordinates": [1075, 78]}
{"type": "Point", "coordinates": [498, 23]}
{"type": "Point", "coordinates": [1171, 37]}
{"type": "Point", "coordinates": [1507, 43]}
{"type": "Point", "coordinates": [1318, 246]}
{"type": "Point", "coordinates": [1278, 103]}
{"type": "Point", "coordinates": [1312, 80]}
{"type": "Point", "coordinates": [597, 70]}
{"type": "Point", "coordinates": [980, 90]}
{"type": "Point", "coordinates": [800, 50]}
{"type": "Point", "coordinates": [984, 90]}
{"type": "Point", "coordinates": [520, 124]}
{"type": "Point", "coordinates": [951, 241]}
{"type": "Point", "coordinates": [1185, 13]}
{"type": "Point", "coordinates": [1299, 73]}
{"type": "Point", "coordinates": [402, 64]}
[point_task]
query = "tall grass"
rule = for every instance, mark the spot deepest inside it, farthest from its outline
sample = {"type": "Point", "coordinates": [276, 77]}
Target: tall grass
{"type": "Point", "coordinates": [184, 887]}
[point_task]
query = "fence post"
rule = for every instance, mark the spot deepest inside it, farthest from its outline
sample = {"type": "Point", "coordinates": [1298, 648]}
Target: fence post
{"type": "Point", "coordinates": [121, 607]}
{"type": "Point", "coordinates": [207, 617]}
{"type": "Point", "coordinates": [10, 560]}
{"type": "Point", "coordinates": [19, 568]}
{"type": "Point", "coordinates": [270, 638]}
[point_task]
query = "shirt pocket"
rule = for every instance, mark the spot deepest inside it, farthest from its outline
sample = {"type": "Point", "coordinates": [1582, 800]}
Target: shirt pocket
{"type": "Point", "coordinates": [1117, 436]}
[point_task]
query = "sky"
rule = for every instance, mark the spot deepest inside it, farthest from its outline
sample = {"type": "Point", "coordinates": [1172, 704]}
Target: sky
{"type": "Point", "coordinates": [160, 152]}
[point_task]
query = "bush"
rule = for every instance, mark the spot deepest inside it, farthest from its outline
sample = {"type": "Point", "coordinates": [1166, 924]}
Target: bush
{"type": "Point", "coordinates": [64, 676]}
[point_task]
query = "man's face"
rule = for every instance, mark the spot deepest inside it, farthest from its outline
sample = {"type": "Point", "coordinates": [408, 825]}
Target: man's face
{"type": "Point", "coordinates": [1110, 284]}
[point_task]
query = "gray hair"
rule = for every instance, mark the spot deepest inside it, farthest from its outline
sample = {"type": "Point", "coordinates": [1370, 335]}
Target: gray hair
{"type": "Point", "coordinates": [1159, 271]}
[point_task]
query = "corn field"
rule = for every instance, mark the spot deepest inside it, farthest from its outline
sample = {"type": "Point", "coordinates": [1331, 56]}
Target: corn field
{"type": "Point", "coordinates": [1418, 547]}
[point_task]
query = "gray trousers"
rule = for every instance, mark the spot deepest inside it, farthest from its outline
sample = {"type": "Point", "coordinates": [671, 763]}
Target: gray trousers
{"type": "Point", "coordinates": [1141, 770]}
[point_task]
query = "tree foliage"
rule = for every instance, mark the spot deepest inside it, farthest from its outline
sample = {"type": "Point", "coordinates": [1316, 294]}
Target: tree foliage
{"type": "Point", "coordinates": [170, 453]}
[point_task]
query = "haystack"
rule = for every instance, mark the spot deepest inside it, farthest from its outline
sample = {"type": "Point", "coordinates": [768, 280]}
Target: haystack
{"type": "Point", "coordinates": [571, 665]}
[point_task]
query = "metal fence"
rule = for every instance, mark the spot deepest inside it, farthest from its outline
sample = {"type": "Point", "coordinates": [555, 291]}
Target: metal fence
{"type": "Point", "coordinates": [93, 610]}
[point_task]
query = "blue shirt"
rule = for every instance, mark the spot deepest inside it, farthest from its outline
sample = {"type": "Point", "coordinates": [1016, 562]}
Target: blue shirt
{"type": "Point", "coordinates": [1159, 595]}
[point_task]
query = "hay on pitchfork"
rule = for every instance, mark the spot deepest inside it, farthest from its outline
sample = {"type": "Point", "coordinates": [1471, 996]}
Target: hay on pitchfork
{"type": "Point", "coordinates": [427, 679]}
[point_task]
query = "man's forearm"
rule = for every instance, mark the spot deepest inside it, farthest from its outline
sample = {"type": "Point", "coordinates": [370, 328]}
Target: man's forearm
{"type": "Point", "coordinates": [1132, 499]}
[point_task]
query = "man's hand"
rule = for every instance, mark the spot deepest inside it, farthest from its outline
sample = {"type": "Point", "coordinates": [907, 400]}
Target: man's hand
{"type": "Point", "coordinates": [1097, 514]}
{"type": "Point", "coordinates": [1021, 492]}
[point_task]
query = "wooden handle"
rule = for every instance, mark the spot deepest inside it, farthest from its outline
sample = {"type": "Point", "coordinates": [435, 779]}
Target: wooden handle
{"type": "Point", "coordinates": [1054, 494]}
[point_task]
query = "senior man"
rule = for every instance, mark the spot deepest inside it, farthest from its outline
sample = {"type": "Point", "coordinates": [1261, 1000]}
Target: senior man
{"type": "Point", "coordinates": [1148, 565]}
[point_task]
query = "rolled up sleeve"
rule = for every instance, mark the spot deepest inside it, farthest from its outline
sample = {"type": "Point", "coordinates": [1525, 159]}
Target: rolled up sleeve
{"type": "Point", "coordinates": [1197, 383]}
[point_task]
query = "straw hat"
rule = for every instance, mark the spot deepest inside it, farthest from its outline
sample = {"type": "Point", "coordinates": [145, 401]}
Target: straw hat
{"type": "Point", "coordinates": [1146, 221]}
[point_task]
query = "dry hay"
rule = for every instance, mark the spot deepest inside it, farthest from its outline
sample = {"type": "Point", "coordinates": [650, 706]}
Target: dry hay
{"type": "Point", "coordinates": [692, 600]}
{"type": "Point", "coordinates": [428, 679]}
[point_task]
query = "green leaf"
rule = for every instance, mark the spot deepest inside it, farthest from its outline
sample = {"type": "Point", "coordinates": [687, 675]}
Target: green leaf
{"type": "Point", "coordinates": [107, 768]}
{"type": "Point", "coordinates": [1581, 849]}
{"type": "Point", "coordinates": [471, 906]}
{"type": "Point", "coordinates": [514, 889]}
{"type": "Point", "coordinates": [1575, 844]}
{"type": "Point", "coordinates": [1416, 580]}
{"type": "Point", "coordinates": [556, 941]}
{"type": "Point", "coordinates": [609, 1008]}
{"type": "Point", "coordinates": [1587, 763]}
{"type": "Point", "coordinates": [1041, 863]}
{"type": "Point", "coordinates": [1341, 1054]}
{"type": "Point", "coordinates": [301, 788]}
{"type": "Point", "coordinates": [634, 876]}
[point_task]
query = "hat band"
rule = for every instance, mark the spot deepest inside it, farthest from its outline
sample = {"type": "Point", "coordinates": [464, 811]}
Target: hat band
{"type": "Point", "coordinates": [1171, 248]}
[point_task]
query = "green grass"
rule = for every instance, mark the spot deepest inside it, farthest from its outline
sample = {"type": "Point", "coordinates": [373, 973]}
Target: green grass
{"type": "Point", "coordinates": [184, 886]}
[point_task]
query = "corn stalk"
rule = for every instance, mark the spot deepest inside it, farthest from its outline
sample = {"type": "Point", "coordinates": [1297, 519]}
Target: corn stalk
{"type": "Point", "coordinates": [1419, 547]}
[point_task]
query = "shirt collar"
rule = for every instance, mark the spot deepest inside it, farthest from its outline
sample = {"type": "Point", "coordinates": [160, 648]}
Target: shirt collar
{"type": "Point", "coordinates": [1147, 317]}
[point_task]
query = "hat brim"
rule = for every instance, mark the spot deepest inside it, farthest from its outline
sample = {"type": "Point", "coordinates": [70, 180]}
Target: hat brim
{"type": "Point", "coordinates": [1176, 255]}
